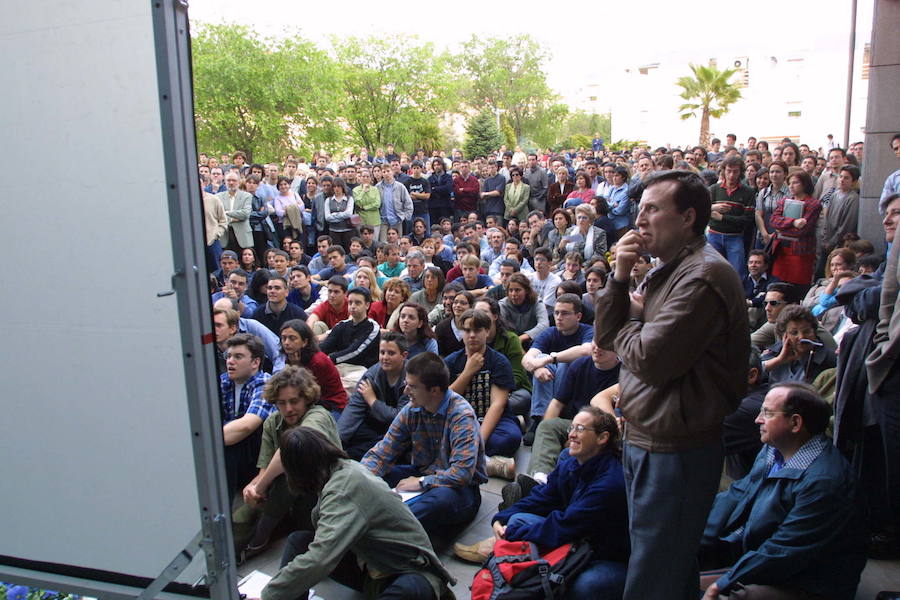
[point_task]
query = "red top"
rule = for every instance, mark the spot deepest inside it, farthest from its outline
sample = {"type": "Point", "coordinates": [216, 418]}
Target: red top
{"type": "Point", "coordinates": [457, 272]}
{"type": "Point", "coordinates": [466, 192]}
{"type": "Point", "coordinates": [378, 312]}
{"type": "Point", "coordinates": [329, 316]}
{"type": "Point", "coordinates": [334, 397]}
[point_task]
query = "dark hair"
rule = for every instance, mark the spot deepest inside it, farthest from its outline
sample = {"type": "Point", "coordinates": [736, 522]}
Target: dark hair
{"type": "Point", "coordinates": [308, 459]}
{"type": "Point", "coordinates": [361, 291]}
{"type": "Point", "coordinates": [690, 192]}
{"type": "Point", "coordinates": [803, 399]}
{"type": "Point", "coordinates": [735, 161]}
{"type": "Point", "coordinates": [335, 248]}
{"type": "Point", "coordinates": [805, 180]}
{"type": "Point", "coordinates": [430, 369]}
{"type": "Point", "coordinates": [304, 331]}
{"type": "Point", "coordinates": [569, 287]}
{"type": "Point", "coordinates": [282, 179]}
{"type": "Point", "coordinates": [338, 280]}
{"type": "Point", "coordinates": [599, 272]}
{"type": "Point", "coordinates": [253, 343]}
{"type": "Point", "coordinates": [785, 289]}
{"type": "Point", "coordinates": [499, 322]}
{"type": "Point", "coordinates": [239, 272]}
{"type": "Point", "coordinates": [793, 312]}
{"type": "Point", "coordinates": [853, 170]}
{"type": "Point", "coordinates": [394, 337]}
{"type": "Point", "coordinates": [325, 238]}
{"type": "Point", "coordinates": [424, 331]}
{"type": "Point", "coordinates": [604, 422]}
{"type": "Point", "coordinates": [522, 281]}
{"type": "Point", "coordinates": [260, 280]}
{"type": "Point", "coordinates": [758, 252]}
{"type": "Point", "coordinates": [509, 262]}
{"type": "Point", "coordinates": [572, 299]}
{"type": "Point", "coordinates": [480, 319]}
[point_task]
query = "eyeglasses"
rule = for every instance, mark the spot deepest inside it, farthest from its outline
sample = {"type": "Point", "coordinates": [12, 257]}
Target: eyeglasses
{"type": "Point", "coordinates": [515, 174]}
{"type": "Point", "coordinates": [768, 414]}
{"type": "Point", "coordinates": [579, 429]}
{"type": "Point", "coordinates": [774, 302]}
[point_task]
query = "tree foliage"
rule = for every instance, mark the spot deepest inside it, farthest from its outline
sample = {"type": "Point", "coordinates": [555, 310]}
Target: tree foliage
{"type": "Point", "coordinates": [482, 135]}
{"type": "Point", "coordinates": [259, 95]}
{"type": "Point", "coordinates": [392, 90]}
{"type": "Point", "coordinates": [708, 92]}
{"type": "Point", "coordinates": [507, 74]}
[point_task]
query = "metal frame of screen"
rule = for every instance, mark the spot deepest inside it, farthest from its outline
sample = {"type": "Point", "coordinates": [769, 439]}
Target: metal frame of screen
{"type": "Point", "coordinates": [172, 42]}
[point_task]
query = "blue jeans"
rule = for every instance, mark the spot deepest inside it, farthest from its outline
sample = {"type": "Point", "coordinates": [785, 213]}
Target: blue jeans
{"type": "Point", "coordinates": [601, 579]}
{"type": "Point", "coordinates": [731, 246]}
{"type": "Point", "coordinates": [505, 439]}
{"type": "Point", "coordinates": [543, 392]}
{"type": "Point", "coordinates": [440, 509]}
{"type": "Point", "coordinates": [670, 495]}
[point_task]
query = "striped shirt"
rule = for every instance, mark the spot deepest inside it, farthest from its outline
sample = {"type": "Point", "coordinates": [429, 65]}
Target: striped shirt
{"type": "Point", "coordinates": [446, 446]}
{"type": "Point", "coordinates": [251, 401]}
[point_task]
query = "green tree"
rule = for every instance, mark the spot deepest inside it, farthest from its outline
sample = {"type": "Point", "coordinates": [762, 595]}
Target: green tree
{"type": "Point", "coordinates": [252, 93]}
{"type": "Point", "coordinates": [506, 74]}
{"type": "Point", "coordinates": [482, 135]}
{"type": "Point", "coordinates": [708, 92]}
{"type": "Point", "coordinates": [581, 122]}
{"type": "Point", "coordinates": [392, 90]}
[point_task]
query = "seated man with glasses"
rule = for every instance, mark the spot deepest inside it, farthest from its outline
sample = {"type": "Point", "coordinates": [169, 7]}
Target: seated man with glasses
{"type": "Point", "coordinates": [551, 353]}
{"type": "Point", "coordinates": [794, 527]}
{"type": "Point", "coordinates": [583, 499]}
{"type": "Point", "coordinates": [778, 295]}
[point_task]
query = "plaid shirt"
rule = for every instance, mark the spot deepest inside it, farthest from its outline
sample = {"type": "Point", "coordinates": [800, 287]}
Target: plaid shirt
{"type": "Point", "coordinates": [446, 445]}
{"type": "Point", "coordinates": [251, 398]}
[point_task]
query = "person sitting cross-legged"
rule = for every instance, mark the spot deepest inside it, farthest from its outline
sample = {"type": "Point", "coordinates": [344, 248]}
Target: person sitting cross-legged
{"type": "Point", "coordinates": [583, 499]}
{"type": "Point", "coordinates": [484, 377]}
{"type": "Point", "coordinates": [437, 431]}
{"type": "Point", "coordinates": [267, 499]}
{"type": "Point", "coordinates": [379, 396]}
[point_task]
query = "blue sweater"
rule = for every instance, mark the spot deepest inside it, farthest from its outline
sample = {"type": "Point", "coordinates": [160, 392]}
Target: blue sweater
{"type": "Point", "coordinates": [578, 501]}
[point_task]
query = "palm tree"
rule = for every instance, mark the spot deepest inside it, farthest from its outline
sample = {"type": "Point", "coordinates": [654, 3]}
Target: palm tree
{"type": "Point", "coordinates": [709, 92]}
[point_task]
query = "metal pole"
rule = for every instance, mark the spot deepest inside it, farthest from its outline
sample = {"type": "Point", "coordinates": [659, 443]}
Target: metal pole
{"type": "Point", "coordinates": [849, 103]}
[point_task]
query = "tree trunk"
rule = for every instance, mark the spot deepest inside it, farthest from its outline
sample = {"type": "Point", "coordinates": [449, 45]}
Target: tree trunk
{"type": "Point", "coordinates": [704, 127]}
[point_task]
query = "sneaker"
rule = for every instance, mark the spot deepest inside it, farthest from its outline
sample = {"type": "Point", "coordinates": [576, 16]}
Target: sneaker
{"type": "Point", "coordinates": [511, 493]}
{"type": "Point", "coordinates": [502, 467]}
{"type": "Point", "coordinates": [474, 553]}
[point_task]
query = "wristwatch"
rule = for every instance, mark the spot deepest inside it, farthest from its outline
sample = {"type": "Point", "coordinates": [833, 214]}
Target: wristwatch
{"type": "Point", "coordinates": [421, 484]}
{"type": "Point", "coordinates": [555, 357]}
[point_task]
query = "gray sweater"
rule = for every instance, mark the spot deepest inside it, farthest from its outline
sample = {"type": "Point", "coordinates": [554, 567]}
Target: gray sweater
{"type": "Point", "coordinates": [532, 321]}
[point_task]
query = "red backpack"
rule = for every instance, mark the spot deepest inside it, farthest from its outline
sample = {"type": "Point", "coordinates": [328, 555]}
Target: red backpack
{"type": "Point", "coordinates": [518, 571]}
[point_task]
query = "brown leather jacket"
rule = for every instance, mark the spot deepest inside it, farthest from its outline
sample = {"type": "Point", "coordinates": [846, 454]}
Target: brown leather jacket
{"type": "Point", "coordinates": [684, 364]}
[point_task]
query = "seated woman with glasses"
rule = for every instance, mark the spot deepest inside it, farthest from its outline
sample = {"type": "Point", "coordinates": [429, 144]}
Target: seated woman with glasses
{"type": "Point", "coordinates": [583, 499]}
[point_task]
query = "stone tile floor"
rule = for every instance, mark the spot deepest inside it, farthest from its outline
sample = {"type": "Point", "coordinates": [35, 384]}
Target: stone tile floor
{"type": "Point", "coordinates": [879, 574]}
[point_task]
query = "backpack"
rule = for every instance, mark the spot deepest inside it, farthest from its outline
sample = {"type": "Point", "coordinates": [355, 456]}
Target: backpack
{"type": "Point", "coordinates": [518, 571]}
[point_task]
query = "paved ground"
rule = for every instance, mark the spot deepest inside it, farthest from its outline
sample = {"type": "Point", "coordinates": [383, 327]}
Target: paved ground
{"type": "Point", "coordinates": [879, 575]}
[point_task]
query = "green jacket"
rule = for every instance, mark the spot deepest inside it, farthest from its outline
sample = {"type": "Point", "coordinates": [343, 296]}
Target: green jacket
{"type": "Point", "coordinates": [368, 205]}
{"type": "Point", "coordinates": [357, 511]}
{"type": "Point", "coordinates": [510, 346]}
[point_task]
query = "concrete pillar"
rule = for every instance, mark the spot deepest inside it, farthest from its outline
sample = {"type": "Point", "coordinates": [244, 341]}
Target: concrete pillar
{"type": "Point", "coordinates": [882, 117]}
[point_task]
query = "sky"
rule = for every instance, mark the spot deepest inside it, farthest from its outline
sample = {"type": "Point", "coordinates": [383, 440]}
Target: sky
{"type": "Point", "coordinates": [583, 36]}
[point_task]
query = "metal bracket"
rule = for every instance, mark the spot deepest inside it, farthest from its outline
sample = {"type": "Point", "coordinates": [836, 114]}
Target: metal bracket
{"type": "Point", "coordinates": [185, 557]}
{"type": "Point", "coordinates": [178, 564]}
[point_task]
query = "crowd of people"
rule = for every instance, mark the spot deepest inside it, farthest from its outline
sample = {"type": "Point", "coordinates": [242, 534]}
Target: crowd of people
{"type": "Point", "coordinates": [390, 329]}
